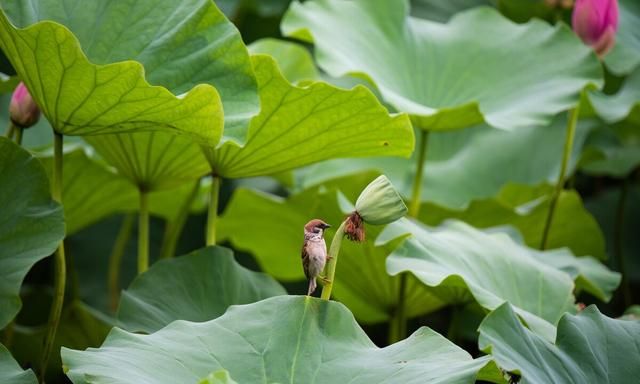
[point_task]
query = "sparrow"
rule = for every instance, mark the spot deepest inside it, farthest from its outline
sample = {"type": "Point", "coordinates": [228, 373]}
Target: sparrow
{"type": "Point", "coordinates": [314, 251]}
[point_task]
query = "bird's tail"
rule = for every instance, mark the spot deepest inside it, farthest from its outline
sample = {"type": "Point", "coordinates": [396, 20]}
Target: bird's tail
{"type": "Point", "coordinates": [312, 286]}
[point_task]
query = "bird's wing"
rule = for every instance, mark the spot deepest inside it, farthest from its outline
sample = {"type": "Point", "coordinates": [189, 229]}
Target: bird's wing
{"type": "Point", "coordinates": [305, 259]}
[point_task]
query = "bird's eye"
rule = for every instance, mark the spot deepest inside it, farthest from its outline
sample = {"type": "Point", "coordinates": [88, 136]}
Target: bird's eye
{"type": "Point", "coordinates": [317, 230]}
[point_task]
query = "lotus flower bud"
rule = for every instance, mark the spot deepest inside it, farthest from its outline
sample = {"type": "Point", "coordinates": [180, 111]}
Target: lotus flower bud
{"type": "Point", "coordinates": [379, 203]}
{"type": "Point", "coordinates": [23, 111]}
{"type": "Point", "coordinates": [596, 22]}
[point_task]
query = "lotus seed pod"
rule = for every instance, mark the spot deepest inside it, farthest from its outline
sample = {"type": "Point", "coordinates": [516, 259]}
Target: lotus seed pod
{"type": "Point", "coordinates": [379, 203]}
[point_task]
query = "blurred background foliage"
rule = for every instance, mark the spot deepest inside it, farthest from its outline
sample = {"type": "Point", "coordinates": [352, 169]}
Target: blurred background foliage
{"type": "Point", "coordinates": [470, 175]}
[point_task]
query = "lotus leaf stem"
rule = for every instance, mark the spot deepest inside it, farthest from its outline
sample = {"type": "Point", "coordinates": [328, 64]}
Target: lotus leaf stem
{"type": "Point", "coordinates": [175, 226]}
{"type": "Point", "coordinates": [416, 193]}
{"type": "Point", "coordinates": [330, 268]}
{"type": "Point", "coordinates": [60, 263]}
{"type": "Point", "coordinates": [115, 259]}
{"type": "Point", "coordinates": [212, 215]}
{"type": "Point", "coordinates": [568, 145]}
{"type": "Point", "coordinates": [19, 132]}
{"type": "Point", "coordinates": [398, 324]}
{"type": "Point", "coordinates": [143, 232]}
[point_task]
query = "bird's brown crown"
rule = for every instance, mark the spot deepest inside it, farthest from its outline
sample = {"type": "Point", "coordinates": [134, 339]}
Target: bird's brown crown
{"type": "Point", "coordinates": [315, 223]}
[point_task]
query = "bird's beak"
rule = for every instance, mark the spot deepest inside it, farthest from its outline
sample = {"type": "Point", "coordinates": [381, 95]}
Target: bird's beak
{"type": "Point", "coordinates": [325, 226]}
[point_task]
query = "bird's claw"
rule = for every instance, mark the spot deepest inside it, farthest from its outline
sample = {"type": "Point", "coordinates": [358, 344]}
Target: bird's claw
{"type": "Point", "coordinates": [324, 279]}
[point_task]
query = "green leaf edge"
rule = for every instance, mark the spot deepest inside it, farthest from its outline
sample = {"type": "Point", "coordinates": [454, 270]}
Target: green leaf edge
{"type": "Point", "coordinates": [471, 110]}
{"type": "Point", "coordinates": [213, 106]}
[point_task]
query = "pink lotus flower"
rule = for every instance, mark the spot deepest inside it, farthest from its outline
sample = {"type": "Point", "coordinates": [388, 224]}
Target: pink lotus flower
{"type": "Point", "coordinates": [23, 111]}
{"type": "Point", "coordinates": [596, 22]}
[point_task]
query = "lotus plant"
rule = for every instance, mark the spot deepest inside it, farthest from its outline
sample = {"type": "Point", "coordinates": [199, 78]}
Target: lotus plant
{"type": "Point", "coordinates": [378, 204]}
{"type": "Point", "coordinates": [596, 22]}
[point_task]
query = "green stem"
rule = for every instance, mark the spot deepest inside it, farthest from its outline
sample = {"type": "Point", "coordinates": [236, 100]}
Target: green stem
{"type": "Point", "coordinates": [174, 227]}
{"type": "Point", "coordinates": [393, 335]}
{"type": "Point", "coordinates": [212, 216]}
{"type": "Point", "coordinates": [60, 265]}
{"type": "Point", "coordinates": [19, 131]}
{"type": "Point", "coordinates": [115, 260]}
{"type": "Point", "coordinates": [143, 232]}
{"type": "Point", "coordinates": [618, 233]}
{"type": "Point", "coordinates": [10, 130]}
{"type": "Point", "coordinates": [568, 145]}
{"type": "Point", "coordinates": [330, 269]}
{"type": "Point", "coordinates": [398, 323]}
{"type": "Point", "coordinates": [416, 193]}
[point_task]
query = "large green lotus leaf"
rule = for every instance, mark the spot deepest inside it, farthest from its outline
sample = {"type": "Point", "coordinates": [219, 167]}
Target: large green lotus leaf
{"type": "Point", "coordinates": [153, 160]}
{"type": "Point", "coordinates": [618, 142]}
{"type": "Point", "coordinates": [362, 282]}
{"type": "Point", "coordinates": [197, 287]}
{"type": "Point", "coordinates": [286, 339]}
{"type": "Point", "coordinates": [442, 11]}
{"type": "Point", "coordinates": [519, 11]}
{"type": "Point", "coordinates": [589, 274]}
{"type": "Point", "coordinates": [84, 204]}
{"type": "Point", "coordinates": [38, 136]}
{"type": "Point", "coordinates": [492, 266]}
{"type": "Point", "coordinates": [81, 98]}
{"type": "Point", "coordinates": [294, 60]}
{"type": "Point", "coordinates": [302, 125]}
{"type": "Point", "coordinates": [573, 227]}
{"type": "Point", "coordinates": [180, 44]}
{"type": "Point", "coordinates": [31, 224]}
{"type": "Point", "coordinates": [625, 56]}
{"type": "Point", "coordinates": [478, 67]}
{"type": "Point", "coordinates": [589, 348]}
{"type": "Point", "coordinates": [526, 208]}
{"type": "Point", "coordinates": [517, 218]}
{"type": "Point", "coordinates": [616, 160]}
{"type": "Point", "coordinates": [613, 150]}
{"type": "Point", "coordinates": [11, 372]}
{"type": "Point", "coordinates": [625, 104]}
{"type": "Point", "coordinates": [464, 165]}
